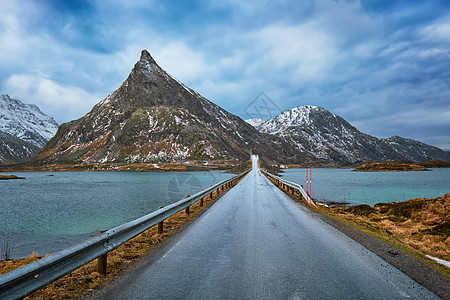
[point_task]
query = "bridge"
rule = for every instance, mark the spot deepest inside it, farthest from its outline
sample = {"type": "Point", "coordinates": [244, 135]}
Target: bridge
{"type": "Point", "coordinates": [255, 242]}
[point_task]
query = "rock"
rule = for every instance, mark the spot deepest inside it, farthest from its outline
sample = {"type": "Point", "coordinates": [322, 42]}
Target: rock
{"type": "Point", "coordinates": [8, 177]}
{"type": "Point", "coordinates": [393, 252]}
{"type": "Point", "coordinates": [87, 279]}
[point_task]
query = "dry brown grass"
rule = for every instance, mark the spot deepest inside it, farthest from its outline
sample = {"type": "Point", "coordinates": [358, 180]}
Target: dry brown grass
{"type": "Point", "coordinates": [86, 279]}
{"type": "Point", "coordinates": [421, 224]}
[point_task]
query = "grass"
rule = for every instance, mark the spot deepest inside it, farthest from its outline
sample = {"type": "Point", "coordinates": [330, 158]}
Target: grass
{"type": "Point", "coordinates": [423, 225]}
{"type": "Point", "coordinates": [86, 279]}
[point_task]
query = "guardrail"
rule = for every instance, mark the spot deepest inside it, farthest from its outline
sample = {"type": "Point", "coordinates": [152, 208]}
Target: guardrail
{"type": "Point", "coordinates": [25, 280]}
{"type": "Point", "coordinates": [292, 188]}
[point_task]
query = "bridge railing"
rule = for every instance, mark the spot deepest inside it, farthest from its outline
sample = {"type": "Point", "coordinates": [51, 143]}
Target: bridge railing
{"type": "Point", "coordinates": [25, 280]}
{"type": "Point", "coordinates": [290, 187]}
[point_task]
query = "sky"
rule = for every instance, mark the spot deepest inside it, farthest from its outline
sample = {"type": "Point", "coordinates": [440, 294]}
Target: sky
{"type": "Point", "coordinates": [384, 66]}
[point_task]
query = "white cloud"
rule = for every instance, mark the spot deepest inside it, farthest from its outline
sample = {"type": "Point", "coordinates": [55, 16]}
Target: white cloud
{"type": "Point", "coordinates": [307, 51]}
{"type": "Point", "coordinates": [437, 32]}
{"type": "Point", "coordinates": [63, 103]}
{"type": "Point", "coordinates": [178, 58]}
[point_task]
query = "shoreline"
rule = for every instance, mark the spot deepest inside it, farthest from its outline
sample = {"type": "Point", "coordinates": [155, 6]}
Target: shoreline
{"type": "Point", "coordinates": [138, 167]}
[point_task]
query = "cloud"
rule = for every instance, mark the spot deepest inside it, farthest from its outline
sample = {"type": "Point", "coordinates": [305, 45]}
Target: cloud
{"type": "Point", "coordinates": [61, 102]}
{"type": "Point", "coordinates": [188, 64]}
{"type": "Point", "coordinates": [365, 60]}
{"type": "Point", "coordinates": [305, 51]}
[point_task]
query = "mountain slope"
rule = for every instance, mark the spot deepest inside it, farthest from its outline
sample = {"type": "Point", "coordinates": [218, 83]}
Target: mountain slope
{"type": "Point", "coordinates": [152, 117]}
{"type": "Point", "coordinates": [14, 150]}
{"type": "Point", "coordinates": [327, 136]}
{"type": "Point", "coordinates": [26, 121]}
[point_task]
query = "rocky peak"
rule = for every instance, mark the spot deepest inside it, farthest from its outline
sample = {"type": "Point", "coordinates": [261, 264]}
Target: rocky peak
{"type": "Point", "coordinates": [146, 57]}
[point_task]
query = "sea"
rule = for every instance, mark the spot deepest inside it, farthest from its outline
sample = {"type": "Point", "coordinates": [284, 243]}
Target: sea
{"type": "Point", "coordinates": [48, 212]}
{"type": "Point", "coordinates": [353, 188]}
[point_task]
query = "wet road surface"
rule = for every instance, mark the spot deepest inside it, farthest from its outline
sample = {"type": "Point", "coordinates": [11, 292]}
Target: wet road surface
{"type": "Point", "coordinates": [256, 243]}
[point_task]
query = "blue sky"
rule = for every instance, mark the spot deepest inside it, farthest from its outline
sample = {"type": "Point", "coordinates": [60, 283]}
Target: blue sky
{"type": "Point", "coordinates": [384, 66]}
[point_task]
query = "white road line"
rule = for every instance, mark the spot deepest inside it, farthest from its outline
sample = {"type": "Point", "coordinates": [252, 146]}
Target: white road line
{"type": "Point", "coordinates": [170, 250]}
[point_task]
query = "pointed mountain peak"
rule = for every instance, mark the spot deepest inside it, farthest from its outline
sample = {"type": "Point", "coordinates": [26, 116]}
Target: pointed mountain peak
{"type": "Point", "coordinates": [146, 57]}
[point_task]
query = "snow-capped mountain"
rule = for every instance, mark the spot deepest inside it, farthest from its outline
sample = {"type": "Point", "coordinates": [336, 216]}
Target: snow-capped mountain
{"type": "Point", "coordinates": [14, 150]}
{"type": "Point", "coordinates": [26, 121]}
{"type": "Point", "coordinates": [153, 117]}
{"type": "Point", "coordinates": [329, 137]}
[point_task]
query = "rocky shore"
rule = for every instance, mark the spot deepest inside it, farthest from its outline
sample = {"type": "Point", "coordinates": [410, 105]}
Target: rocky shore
{"type": "Point", "coordinates": [9, 177]}
{"type": "Point", "coordinates": [389, 167]}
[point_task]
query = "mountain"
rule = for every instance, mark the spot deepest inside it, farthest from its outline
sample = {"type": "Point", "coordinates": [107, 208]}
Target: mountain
{"type": "Point", "coordinates": [26, 121]}
{"type": "Point", "coordinates": [255, 122]}
{"type": "Point", "coordinates": [329, 137]}
{"type": "Point", "coordinates": [14, 150]}
{"type": "Point", "coordinates": [153, 117]}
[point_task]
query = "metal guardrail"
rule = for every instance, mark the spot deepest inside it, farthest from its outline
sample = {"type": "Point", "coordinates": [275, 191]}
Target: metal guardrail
{"type": "Point", "coordinates": [25, 280]}
{"type": "Point", "coordinates": [290, 187]}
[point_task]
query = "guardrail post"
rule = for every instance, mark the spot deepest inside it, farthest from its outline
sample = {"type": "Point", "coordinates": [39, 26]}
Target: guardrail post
{"type": "Point", "coordinates": [161, 224]}
{"type": "Point", "coordinates": [201, 201]}
{"type": "Point", "coordinates": [101, 264]}
{"type": "Point", "coordinates": [187, 210]}
{"type": "Point", "coordinates": [161, 227]}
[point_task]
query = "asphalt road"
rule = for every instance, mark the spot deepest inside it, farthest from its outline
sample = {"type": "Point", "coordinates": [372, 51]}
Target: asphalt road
{"type": "Point", "coordinates": [256, 243]}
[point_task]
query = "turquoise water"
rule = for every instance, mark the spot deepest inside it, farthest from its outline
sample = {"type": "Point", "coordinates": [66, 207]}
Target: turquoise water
{"type": "Point", "coordinates": [344, 185]}
{"type": "Point", "coordinates": [48, 212]}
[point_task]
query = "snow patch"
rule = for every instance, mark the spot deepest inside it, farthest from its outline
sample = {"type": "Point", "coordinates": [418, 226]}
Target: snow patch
{"type": "Point", "coordinates": [438, 260]}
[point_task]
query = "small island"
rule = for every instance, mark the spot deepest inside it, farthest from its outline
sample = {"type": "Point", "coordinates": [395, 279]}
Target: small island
{"type": "Point", "coordinates": [390, 167]}
{"type": "Point", "coordinates": [435, 164]}
{"type": "Point", "coordinates": [9, 177]}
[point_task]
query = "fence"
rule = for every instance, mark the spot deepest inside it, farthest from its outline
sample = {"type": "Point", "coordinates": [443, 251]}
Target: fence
{"type": "Point", "coordinates": [25, 280]}
{"type": "Point", "coordinates": [292, 188]}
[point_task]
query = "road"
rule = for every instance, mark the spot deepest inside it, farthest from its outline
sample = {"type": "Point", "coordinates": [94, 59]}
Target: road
{"type": "Point", "coordinates": [256, 243]}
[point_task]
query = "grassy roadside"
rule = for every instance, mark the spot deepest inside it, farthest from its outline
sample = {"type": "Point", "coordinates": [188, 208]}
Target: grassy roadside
{"type": "Point", "coordinates": [86, 279]}
{"type": "Point", "coordinates": [418, 226]}
{"type": "Point", "coordinates": [392, 240]}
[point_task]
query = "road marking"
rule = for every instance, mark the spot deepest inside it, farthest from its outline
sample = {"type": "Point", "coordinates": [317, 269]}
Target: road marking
{"type": "Point", "coordinates": [170, 250]}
